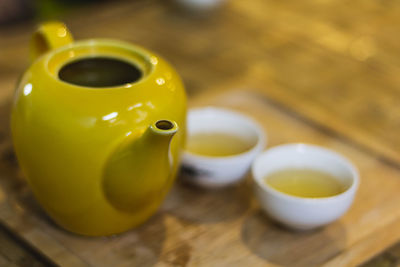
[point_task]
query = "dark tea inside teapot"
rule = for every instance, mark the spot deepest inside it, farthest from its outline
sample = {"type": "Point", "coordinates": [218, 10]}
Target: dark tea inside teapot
{"type": "Point", "coordinates": [99, 72]}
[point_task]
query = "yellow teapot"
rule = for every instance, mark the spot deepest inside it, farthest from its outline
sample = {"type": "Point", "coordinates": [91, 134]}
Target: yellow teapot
{"type": "Point", "coordinates": [95, 129]}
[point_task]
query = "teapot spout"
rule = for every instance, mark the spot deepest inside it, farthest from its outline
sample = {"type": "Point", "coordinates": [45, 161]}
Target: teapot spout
{"type": "Point", "coordinates": [137, 175]}
{"type": "Point", "coordinates": [161, 133]}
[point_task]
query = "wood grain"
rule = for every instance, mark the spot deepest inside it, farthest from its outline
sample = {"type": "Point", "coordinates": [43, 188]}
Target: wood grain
{"type": "Point", "coordinates": [223, 228]}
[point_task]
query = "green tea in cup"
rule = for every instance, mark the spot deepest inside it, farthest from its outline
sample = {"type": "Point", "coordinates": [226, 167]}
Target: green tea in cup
{"type": "Point", "coordinates": [304, 183]}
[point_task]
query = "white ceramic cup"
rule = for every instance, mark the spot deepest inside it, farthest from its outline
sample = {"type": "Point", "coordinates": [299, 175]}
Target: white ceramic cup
{"type": "Point", "coordinates": [211, 171]}
{"type": "Point", "coordinates": [300, 212]}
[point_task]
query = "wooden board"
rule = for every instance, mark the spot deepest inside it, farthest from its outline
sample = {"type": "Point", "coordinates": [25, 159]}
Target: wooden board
{"type": "Point", "coordinates": [312, 59]}
{"type": "Point", "coordinates": [220, 228]}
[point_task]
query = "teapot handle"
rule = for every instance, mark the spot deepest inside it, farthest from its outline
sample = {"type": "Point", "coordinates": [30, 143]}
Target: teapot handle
{"type": "Point", "coordinates": [48, 36]}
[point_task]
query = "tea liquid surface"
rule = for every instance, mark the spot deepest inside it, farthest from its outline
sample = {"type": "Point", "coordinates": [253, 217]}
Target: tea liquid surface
{"type": "Point", "coordinates": [217, 144]}
{"type": "Point", "coordinates": [305, 183]}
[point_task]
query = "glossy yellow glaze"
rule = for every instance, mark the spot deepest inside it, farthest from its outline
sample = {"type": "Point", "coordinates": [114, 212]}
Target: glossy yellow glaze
{"type": "Point", "coordinates": [48, 36]}
{"type": "Point", "coordinates": [95, 158]}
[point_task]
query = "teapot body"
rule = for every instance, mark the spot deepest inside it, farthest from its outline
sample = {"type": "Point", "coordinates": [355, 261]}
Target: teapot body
{"type": "Point", "coordinates": [64, 136]}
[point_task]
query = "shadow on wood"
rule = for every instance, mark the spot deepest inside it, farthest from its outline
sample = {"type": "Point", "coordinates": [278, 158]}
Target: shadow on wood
{"type": "Point", "coordinates": [286, 247]}
{"type": "Point", "coordinates": [198, 205]}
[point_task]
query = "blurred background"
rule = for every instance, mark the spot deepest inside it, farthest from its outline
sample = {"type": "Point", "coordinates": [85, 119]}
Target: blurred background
{"type": "Point", "coordinates": [17, 11]}
{"type": "Point", "coordinates": [335, 64]}
{"type": "Point", "coordinates": [317, 57]}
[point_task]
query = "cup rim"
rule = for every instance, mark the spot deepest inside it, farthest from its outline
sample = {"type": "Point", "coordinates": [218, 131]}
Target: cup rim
{"type": "Point", "coordinates": [343, 160]}
{"type": "Point", "coordinates": [258, 146]}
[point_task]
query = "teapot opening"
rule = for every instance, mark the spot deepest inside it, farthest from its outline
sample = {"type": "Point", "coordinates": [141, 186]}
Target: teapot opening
{"type": "Point", "coordinates": [99, 72]}
{"type": "Point", "coordinates": [100, 64]}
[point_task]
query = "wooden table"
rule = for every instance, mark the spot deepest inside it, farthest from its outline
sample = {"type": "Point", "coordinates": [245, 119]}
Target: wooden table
{"type": "Point", "coordinates": [323, 71]}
